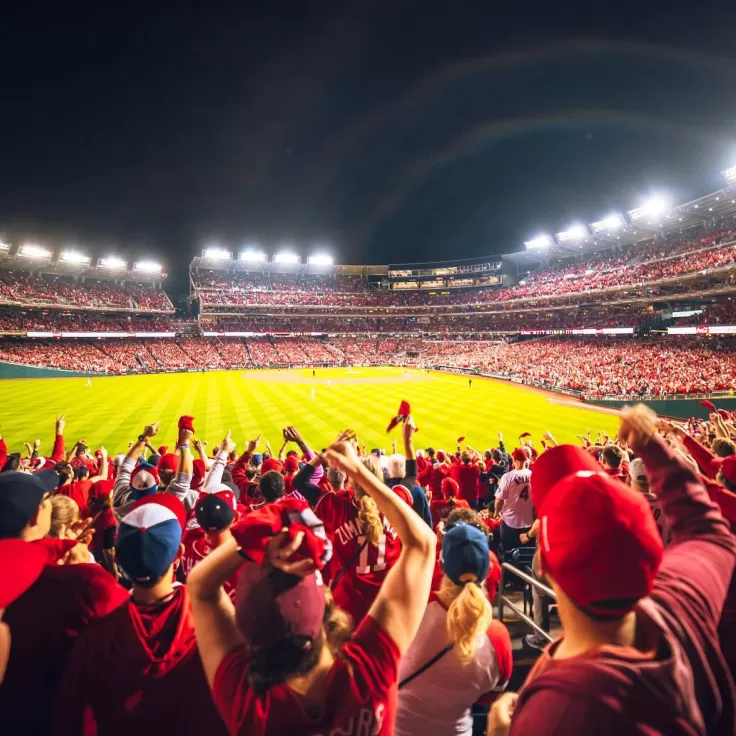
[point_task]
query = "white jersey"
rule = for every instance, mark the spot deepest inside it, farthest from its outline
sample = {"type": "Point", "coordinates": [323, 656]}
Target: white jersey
{"type": "Point", "coordinates": [515, 490]}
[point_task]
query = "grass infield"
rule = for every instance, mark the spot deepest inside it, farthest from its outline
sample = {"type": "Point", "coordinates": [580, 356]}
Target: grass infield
{"type": "Point", "coordinates": [113, 410]}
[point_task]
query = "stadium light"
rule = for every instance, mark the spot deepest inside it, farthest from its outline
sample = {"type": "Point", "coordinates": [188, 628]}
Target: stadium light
{"type": "Point", "coordinates": [147, 267]}
{"type": "Point", "coordinates": [655, 207]}
{"type": "Point", "coordinates": [74, 257]}
{"type": "Point", "coordinates": [215, 253]}
{"type": "Point", "coordinates": [252, 256]}
{"type": "Point", "coordinates": [541, 241]}
{"type": "Point", "coordinates": [573, 233]}
{"type": "Point", "coordinates": [729, 175]}
{"type": "Point", "coordinates": [320, 259]}
{"type": "Point", "coordinates": [30, 250]}
{"type": "Point", "coordinates": [113, 263]}
{"type": "Point", "coordinates": [608, 224]}
{"type": "Point", "coordinates": [285, 257]}
{"type": "Point", "coordinates": [4, 246]}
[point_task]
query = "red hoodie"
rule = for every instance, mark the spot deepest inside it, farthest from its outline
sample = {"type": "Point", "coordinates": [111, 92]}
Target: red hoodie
{"type": "Point", "coordinates": [676, 680]}
{"type": "Point", "coordinates": [138, 672]}
{"type": "Point", "coordinates": [44, 623]}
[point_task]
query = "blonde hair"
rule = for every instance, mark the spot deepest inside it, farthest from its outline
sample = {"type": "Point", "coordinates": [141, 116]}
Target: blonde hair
{"type": "Point", "coordinates": [469, 614]}
{"type": "Point", "coordinates": [369, 515]}
{"type": "Point", "coordinates": [64, 511]}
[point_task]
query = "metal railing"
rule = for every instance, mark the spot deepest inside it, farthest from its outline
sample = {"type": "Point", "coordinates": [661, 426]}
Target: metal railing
{"type": "Point", "coordinates": [502, 601]}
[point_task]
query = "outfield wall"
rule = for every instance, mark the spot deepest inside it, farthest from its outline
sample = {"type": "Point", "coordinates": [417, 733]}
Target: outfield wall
{"type": "Point", "coordinates": [13, 370]}
{"type": "Point", "coordinates": [678, 408]}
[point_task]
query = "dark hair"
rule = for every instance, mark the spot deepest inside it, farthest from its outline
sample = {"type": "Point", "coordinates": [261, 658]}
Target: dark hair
{"type": "Point", "coordinates": [270, 666]}
{"type": "Point", "coordinates": [149, 583]}
{"type": "Point", "coordinates": [64, 471]}
{"type": "Point", "coordinates": [271, 485]}
{"type": "Point", "coordinates": [430, 451]}
{"type": "Point", "coordinates": [12, 462]}
{"type": "Point", "coordinates": [498, 456]}
{"type": "Point", "coordinates": [467, 516]}
{"type": "Point", "coordinates": [622, 604]}
{"type": "Point", "coordinates": [250, 472]}
{"type": "Point", "coordinates": [613, 455]}
{"type": "Point", "coordinates": [227, 475]}
{"type": "Point", "coordinates": [166, 475]}
{"type": "Point", "coordinates": [487, 454]}
{"type": "Point", "coordinates": [722, 447]}
{"type": "Point", "coordinates": [81, 449]}
{"type": "Point", "coordinates": [80, 472]}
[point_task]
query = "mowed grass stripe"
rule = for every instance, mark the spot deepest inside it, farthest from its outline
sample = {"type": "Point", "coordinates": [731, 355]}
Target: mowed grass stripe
{"type": "Point", "coordinates": [115, 409]}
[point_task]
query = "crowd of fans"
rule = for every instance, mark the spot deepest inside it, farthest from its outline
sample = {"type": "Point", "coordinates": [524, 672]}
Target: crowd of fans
{"type": "Point", "coordinates": [593, 367]}
{"type": "Point", "coordinates": [16, 320]}
{"type": "Point", "coordinates": [631, 265]}
{"type": "Point", "coordinates": [20, 288]}
{"type": "Point", "coordinates": [247, 591]}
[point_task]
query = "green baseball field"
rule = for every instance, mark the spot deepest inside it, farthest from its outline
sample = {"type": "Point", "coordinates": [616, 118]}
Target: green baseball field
{"type": "Point", "coordinates": [112, 411]}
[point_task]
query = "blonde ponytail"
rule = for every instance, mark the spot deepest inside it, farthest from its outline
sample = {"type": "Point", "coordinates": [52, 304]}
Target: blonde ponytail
{"type": "Point", "coordinates": [369, 515]}
{"type": "Point", "coordinates": [469, 614]}
{"type": "Point", "coordinates": [370, 520]}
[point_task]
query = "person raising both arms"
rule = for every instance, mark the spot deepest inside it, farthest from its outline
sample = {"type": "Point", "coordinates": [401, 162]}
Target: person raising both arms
{"type": "Point", "coordinates": [286, 664]}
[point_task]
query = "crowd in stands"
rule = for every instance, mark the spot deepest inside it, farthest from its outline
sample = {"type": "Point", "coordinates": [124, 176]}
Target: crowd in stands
{"type": "Point", "coordinates": [593, 367]}
{"type": "Point", "coordinates": [718, 313]}
{"type": "Point", "coordinates": [632, 265]}
{"type": "Point", "coordinates": [15, 320]}
{"type": "Point", "coordinates": [20, 288]}
{"type": "Point", "coordinates": [247, 591]}
{"type": "Point", "coordinates": [275, 282]}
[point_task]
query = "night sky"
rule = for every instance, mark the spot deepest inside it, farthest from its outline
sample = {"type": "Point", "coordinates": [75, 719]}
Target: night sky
{"type": "Point", "coordinates": [385, 131]}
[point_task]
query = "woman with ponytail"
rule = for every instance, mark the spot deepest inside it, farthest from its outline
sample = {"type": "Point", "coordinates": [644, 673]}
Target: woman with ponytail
{"type": "Point", "coordinates": [459, 655]}
{"type": "Point", "coordinates": [365, 545]}
{"type": "Point", "coordinates": [443, 505]}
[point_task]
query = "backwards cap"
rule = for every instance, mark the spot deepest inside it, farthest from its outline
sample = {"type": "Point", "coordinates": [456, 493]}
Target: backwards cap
{"type": "Point", "coordinates": [149, 536]}
{"type": "Point", "coordinates": [465, 554]}
{"type": "Point", "coordinates": [144, 480]}
{"type": "Point", "coordinates": [169, 461]}
{"type": "Point", "coordinates": [557, 463]}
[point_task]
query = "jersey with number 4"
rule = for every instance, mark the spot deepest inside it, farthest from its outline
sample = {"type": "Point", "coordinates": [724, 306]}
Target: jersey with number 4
{"type": "Point", "coordinates": [515, 490]}
{"type": "Point", "coordinates": [365, 565]}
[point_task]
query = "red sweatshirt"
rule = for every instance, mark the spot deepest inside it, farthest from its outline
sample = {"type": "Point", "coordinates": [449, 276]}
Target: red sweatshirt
{"type": "Point", "coordinates": [138, 672]}
{"type": "Point", "coordinates": [676, 680]}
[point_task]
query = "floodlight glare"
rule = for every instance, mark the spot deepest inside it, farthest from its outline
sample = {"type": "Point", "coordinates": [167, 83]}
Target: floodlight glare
{"type": "Point", "coordinates": [4, 246]}
{"type": "Point", "coordinates": [147, 267]}
{"type": "Point", "coordinates": [113, 263]}
{"type": "Point", "coordinates": [73, 256]}
{"type": "Point", "coordinates": [574, 232]}
{"type": "Point", "coordinates": [729, 175]}
{"type": "Point", "coordinates": [286, 258]}
{"type": "Point", "coordinates": [320, 259]}
{"type": "Point", "coordinates": [541, 241]}
{"type": "Point", "coordinates": [30, 250]}
{"type": "Point", "coordinates": [217, 254]}
{"type": "Point", "coordinates": [252, 256]}
{"type": "Point", "coordinates": [656, 206]}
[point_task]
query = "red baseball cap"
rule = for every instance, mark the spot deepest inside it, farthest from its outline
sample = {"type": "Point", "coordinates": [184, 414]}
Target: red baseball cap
{"type": "Point", "coordinates": [520, 455]}
{"type": "Point", "coordinates": [169, 461]}
{"type": "Point", "coordinates": [727, 466]}
{"type": "Point", "coordinates": [21, 564]}
{"type": "Point", "coordinates": [271, 464]}
{"type": "Point", "coordinates": [291, 464]}
{"type": "Point", "coordinates": [271, 606]}
{"type": "Point", "coordinates": [599, 541]}
{"type": "Point", "coordinates": [449, 487]}
{"type": "Point", "coordinates": [557, 463]}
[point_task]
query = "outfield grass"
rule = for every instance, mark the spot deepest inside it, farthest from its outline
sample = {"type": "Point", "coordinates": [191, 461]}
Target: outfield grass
{"type": "Point", "coordinates": [114, 410]}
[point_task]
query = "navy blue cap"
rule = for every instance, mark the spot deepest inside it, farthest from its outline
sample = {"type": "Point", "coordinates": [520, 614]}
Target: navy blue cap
{"type": "Point", "coordinates": [465, 554]}
{"type": "Point", "coordinates": [257, 459]}
{"type": "Point", "coordinates": [20, 496]}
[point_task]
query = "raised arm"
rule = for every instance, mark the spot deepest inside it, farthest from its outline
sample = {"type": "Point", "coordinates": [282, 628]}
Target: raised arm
{"type": "Point", "coordinates": [214, 474]}
{"type": "Point", "coordinates": [102, 473]}
{"type": "Point", "coordinates": [408, 430]}
{"type": "Point", "coordinates": [181, 486]}
{"type": "Point", "coordinates": [304, 484]}
{"type": "Point", "coordinates": [402, 599]}
{"type": "Point", "coordinates": [121, 489]}
{"type": "Point", "coordinates": [292, 434]}
{"type": "Point", "coordinates": [57, 454]}
{"type": "Point", "coordinates": [698, 564]}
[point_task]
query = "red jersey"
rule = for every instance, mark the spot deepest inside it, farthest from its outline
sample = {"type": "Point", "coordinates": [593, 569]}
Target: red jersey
{"type": "Point", "coordinates": [467, 479]}
{"type": "Point", "coordinates": [365, 565]}
{"type": "Point", "coordinates": [360, 699]}
{"type": "Point", "coordinates": [78, 490]}
{"type": "Point", "coordinates": [196, 548]}
{"type": "Point", "coordinates": [441, 508]}
{"type": "Point", "coordinates": [105, 527]}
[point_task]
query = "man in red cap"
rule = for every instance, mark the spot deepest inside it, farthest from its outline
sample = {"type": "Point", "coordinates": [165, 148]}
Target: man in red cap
{"type": "Point", "coordinates": [141, 660]}
{"type": "Point", "coordinates": [640, 651]}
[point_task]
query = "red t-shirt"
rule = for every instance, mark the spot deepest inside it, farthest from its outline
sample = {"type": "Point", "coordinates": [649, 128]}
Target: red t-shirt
{"type": "Point", "coordinates": [365, 570]}
{"type": "Point", "coordinates": [196, 548]}
{"type": "Point", "coordinates": [360, 697]}
{"type": "Point", "coordinates": [78, 490]}
{"type": "Point", "coordinates": [467, 478]}
{"type": "Point", "coordinates": [105, 526]}
{"type": "Point", "coordinates": [441, 508]}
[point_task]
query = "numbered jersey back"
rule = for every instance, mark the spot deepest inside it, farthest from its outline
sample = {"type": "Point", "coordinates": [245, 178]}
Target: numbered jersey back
{"type": "Point", "coordinates": [514, 489]}
{"type": "Point", "coordinates": [361, 560]}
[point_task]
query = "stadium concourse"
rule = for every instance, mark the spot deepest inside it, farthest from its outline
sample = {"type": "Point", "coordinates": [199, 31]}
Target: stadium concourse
{"type": "Point", "coordinates": [506, 559]}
